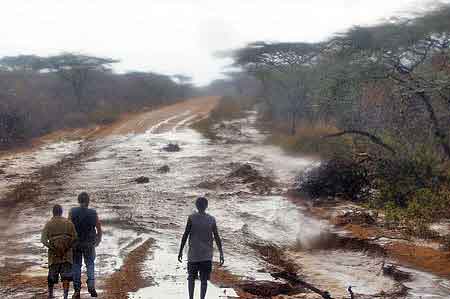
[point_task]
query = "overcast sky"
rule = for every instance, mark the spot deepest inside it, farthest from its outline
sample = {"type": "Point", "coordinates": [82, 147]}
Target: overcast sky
{"type": "Point", "coordinates": [177, 36]}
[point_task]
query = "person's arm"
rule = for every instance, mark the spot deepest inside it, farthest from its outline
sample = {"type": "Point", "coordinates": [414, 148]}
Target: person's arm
{"type": "Point", "coordinates": [44, 237]}
{"type": "Point", "coordinates": [187, 231]}
{"type": "Point", "coordinates": [70, 216]}
{"type": "Point", "coordinates": [98, 228]}
{"type": "Point", "coordinates": [73, 233]}
{"type": "Point", "coordinates": [219, 243]}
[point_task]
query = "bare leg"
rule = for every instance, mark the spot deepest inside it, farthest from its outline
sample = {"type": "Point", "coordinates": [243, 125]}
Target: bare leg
{"type": "Point", "coordinates": [191, 285]}
{"type": "Point", "coordinates": [66, 286]}
{"type": "Point", "coordinates": [204, 287]}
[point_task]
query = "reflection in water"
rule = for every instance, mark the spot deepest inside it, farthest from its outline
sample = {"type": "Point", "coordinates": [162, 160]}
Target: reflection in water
{"type": "Point", "coordinates": [170, 276]}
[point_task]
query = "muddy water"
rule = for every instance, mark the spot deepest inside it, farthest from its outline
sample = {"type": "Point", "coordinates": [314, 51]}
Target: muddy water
{"type": "Point", "coordinates": [16, 167]}
{"type": "Point", "coordinates": [132, 213]}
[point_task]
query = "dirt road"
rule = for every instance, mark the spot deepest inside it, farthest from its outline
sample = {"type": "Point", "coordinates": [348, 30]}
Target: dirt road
{"type": "Point", "coordinates": [246, 181]}
{"type": "Point", "coordinates": [47, 167]}
{"type": "Point", "coordinates": [165, 118]}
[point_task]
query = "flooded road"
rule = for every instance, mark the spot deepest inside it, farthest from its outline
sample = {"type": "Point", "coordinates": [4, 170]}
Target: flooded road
{"type": "Point", "coordinates": [133, 213]}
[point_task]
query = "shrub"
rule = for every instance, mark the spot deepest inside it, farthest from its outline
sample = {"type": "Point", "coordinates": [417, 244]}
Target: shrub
{"type": "Point", "coordinates": [337, 177]}
{"type": "Point", "coordinates": [412, 192]}
{"type": "Point", "coordinates": [13, 129]}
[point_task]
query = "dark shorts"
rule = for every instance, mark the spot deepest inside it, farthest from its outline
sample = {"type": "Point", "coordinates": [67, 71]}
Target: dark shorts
{"type": "Point", "coordinates": [63, 270]}
{"type": "Point", "coordinates": [204, 268]}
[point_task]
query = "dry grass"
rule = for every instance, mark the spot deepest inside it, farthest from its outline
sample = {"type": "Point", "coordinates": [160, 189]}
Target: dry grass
{"type": "Point", "coordinates": [308, 140]}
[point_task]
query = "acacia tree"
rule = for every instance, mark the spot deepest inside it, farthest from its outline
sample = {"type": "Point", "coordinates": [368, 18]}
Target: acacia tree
{"type": "Point", "coordinates": [281, 68]}
{"type": "Point", "coordinates": [404, 63]}
{"type": "Point", "coordinates": [72, 68]}
{"type": "Point", "coordinates": [75, 70]}
{"type": "Point", "coordinates": [413, 55]}
{"type": "Point", "coordinates": [21, 63]}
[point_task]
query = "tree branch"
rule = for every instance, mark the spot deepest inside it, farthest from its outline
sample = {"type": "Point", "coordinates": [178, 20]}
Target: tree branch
{"type": "Point", "coordinates": [372, 138]}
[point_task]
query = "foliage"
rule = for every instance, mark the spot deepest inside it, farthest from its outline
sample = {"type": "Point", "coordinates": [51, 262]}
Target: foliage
{"type": "Point", "coordinates": [337, 177]}
{"type": "Point", "coordinates": [386, 90]}
{"type": "Point", "coordinates": [42, 94]}
{"type": "Point", "coordinates": [12, 128]}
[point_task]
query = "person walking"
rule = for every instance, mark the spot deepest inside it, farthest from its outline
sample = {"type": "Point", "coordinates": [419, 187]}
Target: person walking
{"type": "Point", "coordinates": [59, 236]}
{"type": "Point", "coordinates": [89, 230]}
{"type": "Point", "coordinates": [201, 229]}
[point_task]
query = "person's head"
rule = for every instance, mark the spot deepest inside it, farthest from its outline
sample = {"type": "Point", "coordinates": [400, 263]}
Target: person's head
{"type": "Point", "coordinates": [57, 211]}
{"type": "Point", "coordinates": [83, 199]}
{"type": "Point", "coordinates": [202, 204]}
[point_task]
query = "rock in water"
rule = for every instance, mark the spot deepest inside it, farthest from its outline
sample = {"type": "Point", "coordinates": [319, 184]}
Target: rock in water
{"type": "Point", "coordinates": [171, 147]}
{"type": "Point", "coordinates": [163, 169]}
{"type": "Point", "coordinates": [396, 274]}
{"type": "Point", "coordinates": [142, 180]}
{"type": "Point", "coordinates": [246, 172]}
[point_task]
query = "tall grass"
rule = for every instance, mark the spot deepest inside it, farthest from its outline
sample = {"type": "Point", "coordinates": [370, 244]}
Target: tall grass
{"type": "Point", "coordinates": [309, 140]}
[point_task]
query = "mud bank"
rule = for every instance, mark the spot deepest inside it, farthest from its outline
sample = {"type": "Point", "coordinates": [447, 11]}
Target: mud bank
{"type": "Point", "coordinates": [420, 254]}
{"type": "Point", "coordinates": [128, 278]}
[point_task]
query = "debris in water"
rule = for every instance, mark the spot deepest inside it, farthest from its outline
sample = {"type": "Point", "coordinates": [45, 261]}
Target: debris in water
{"type": "Point", "coordinates": [268, 288]}
{"type": "Point", "coordinates": [243, 174]}
{"type": "Point", "coordinates": [163, 169]}
{"type": "Point", "coordinates": [142, 180]}
{"type": "Point", "coordinates": [396, 274]}
{"type": "Point", "coordinates": [172, 147]}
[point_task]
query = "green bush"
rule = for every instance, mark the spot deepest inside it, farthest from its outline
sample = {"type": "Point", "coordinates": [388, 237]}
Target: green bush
{"type": "Point", "coordinates": [412, 192]}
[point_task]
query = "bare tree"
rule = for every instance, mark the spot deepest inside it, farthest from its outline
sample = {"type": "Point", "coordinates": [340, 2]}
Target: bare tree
{"type": "Point", "coordinates": [75, 69]}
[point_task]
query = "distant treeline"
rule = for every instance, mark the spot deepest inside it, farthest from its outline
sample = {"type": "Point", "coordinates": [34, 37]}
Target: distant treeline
{"type": "Point", "coordinates": [42, 94]}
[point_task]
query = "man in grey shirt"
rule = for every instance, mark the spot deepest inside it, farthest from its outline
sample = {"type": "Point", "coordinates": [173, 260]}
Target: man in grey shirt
{"type": "Point", "coordinates": [201, 228]}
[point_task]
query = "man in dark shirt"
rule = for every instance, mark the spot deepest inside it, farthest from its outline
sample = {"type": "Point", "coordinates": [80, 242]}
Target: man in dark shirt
{"type": "Point", "coordinates": [201, 229]}
{"type": "Point", "coordinates": [87, 225]}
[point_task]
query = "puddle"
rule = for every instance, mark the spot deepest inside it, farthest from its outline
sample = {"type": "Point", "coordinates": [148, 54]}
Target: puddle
{"type": "Point", "coordinates": [171, 277]}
